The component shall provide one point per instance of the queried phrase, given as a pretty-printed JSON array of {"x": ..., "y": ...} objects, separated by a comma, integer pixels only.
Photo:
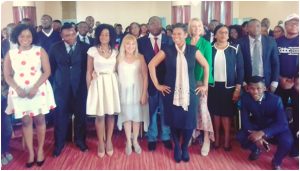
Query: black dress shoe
[
  {"x": 40, "y": 163},
  {"x": 29, "y": 165},
  {"x": 168, "y": 144},
  {"x": 177, "y": 154},
  {"x": 82, "y": 147},
  {"x": 227, "y": 148},
  {"x": 185, "y": 155},
  {"x": 276, "y": 167},
  {"x": 254, "y": 155},
  {"x": 215, "y": 146},
  {"x": 152, "y": 146},
  {"x": 56, "y": 152}
]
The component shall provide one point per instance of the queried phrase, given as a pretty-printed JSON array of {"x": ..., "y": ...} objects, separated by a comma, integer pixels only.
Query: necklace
[{"x": 105, "y": 52}]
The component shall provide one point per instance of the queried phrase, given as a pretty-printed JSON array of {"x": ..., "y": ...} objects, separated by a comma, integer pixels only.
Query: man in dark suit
[
  {"x": 260, "y": 55},
  {"x": 209, "y": 34},
  {"x": 83, "y": 29},
  {"x": 266, "y": 23},
  {"x": 148, "y": 46},
  {"x": 263, "y": 118},
  {"x": 68, "y": 59},
  {"x": 6, "y": 44}
]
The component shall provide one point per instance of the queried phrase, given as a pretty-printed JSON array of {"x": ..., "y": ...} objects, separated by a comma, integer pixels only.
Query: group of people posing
[{"x": 190, "y": 83}]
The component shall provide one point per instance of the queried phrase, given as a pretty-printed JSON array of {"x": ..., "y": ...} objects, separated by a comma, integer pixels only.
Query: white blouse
[{"x": 220, "y": 66}]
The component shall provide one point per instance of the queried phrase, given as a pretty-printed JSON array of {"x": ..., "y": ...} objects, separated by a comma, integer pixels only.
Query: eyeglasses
[{"x": 292, "y": 23}]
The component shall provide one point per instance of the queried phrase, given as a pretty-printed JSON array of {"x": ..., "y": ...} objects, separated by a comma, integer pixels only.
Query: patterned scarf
[{"x": 182, "y": 87}]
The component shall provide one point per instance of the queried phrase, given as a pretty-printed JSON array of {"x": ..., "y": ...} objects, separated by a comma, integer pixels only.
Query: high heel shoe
[
  {"x": 109, "y": 152},
  {"x": 128, "y": 149},
  {"x": 100, "y": 154},
  {"x": 40, "y": 163},
  {"x": 228, "y": 148},
  {"x": 30, "y": 164},
  {"x": 137, "y": 148}
]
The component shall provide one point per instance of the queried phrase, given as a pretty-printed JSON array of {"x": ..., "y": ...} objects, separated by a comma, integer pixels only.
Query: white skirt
[{"x": 103, "y": 95}]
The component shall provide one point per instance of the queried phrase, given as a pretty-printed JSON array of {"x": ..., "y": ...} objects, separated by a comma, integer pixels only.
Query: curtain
[
  {"x": 219, "y": 10},
  {"x": 181, "y": 14},
  {"x": 20, "y": 13}
]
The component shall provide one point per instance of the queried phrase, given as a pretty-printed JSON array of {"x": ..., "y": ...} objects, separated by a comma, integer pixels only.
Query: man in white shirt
[
  {"x": 260, "y": 55},
  {"x": 83, "y": 29}
]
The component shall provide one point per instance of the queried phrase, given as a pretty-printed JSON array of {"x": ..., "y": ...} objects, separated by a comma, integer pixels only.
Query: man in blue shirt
[
  {"x": 263, "y": 118},
  {"x": 288, "y": 47}
]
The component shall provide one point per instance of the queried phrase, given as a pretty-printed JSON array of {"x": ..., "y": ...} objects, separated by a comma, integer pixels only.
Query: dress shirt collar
[
  {"x": 151, "y": 36},
  {"x": 252, "y": 39}
]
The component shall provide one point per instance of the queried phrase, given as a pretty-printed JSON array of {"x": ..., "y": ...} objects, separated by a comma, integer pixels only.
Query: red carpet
[{"x": 161, "y": 159}]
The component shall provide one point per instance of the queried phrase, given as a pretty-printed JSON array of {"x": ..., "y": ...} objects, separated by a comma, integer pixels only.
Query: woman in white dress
[
  {"x": 133, "y": 84},
  {"x": 30, "y": 97},
  {"x": 103, "y": 95}
]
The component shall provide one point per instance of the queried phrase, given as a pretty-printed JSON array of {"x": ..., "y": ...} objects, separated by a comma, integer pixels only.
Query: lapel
[
  {"x": 263, "y": 45},
  {"x": 77, "y": 51},
  {"x": 63, "y": 56},
  {"x": 248, "y": 54},
  {"x": 149, "y": 45},
  {"x": 63, "y": 50},
  {"x": 164, "y": 40}
]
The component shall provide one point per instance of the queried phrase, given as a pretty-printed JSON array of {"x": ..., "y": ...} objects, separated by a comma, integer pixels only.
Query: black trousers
[
  {"x": 65, "y": 109},
  {"x": 284, "y": 142},
  {"x": 294, "y": 103}
]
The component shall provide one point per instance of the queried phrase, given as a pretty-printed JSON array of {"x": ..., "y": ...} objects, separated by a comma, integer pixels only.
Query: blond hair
[
  {"x": 190, "y": 27},
  {"x": 126, "y": 39}
]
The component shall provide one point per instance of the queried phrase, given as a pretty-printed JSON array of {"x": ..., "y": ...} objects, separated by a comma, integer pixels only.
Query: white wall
[
  {"x": 123, "y": 12},
  {"x": 274, "y": 10},
  {"x": 53, "y": 8},
  {"x": 6, "y": 13}
]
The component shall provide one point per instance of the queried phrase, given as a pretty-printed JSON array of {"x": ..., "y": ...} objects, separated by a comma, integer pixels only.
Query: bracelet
[{"x": 237, "y": 89}]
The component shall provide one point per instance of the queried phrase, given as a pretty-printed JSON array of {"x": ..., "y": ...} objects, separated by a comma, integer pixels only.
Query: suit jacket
[
  {"x": 5, "y": 46},
  {"x": 90, "y": 39},
  {"x": 146, "y": 49},
  {"x": 268, "y": 115},
  {"x": 68, "y": 73},
  {"x": 269, "y": 57}
]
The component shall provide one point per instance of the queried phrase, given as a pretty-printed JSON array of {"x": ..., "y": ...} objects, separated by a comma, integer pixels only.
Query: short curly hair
[
  {"x": 112, "y": 34},
  {"x": 18, "y": 30}
]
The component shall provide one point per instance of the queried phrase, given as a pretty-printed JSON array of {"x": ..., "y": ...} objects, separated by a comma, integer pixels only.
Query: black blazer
[
  {"x": 146, "y": 49},
  {"x": 68, "y": 75},
  {"x": 90, "y": 39},
  {"x": 270, "y": 58}
]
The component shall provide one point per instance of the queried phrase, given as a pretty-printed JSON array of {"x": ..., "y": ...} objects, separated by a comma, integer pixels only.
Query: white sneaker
[
  {"x": 205, "y": 149},
  {"x": 9, "y": 157},
  {"x": 4, "y": 160}
]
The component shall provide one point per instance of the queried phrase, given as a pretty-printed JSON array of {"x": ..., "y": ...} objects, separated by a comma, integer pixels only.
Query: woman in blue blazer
[{"x": 228, "y": 73}]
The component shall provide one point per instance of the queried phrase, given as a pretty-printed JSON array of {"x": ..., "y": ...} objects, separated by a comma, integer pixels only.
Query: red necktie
[{"x": 156, "y": 48}]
